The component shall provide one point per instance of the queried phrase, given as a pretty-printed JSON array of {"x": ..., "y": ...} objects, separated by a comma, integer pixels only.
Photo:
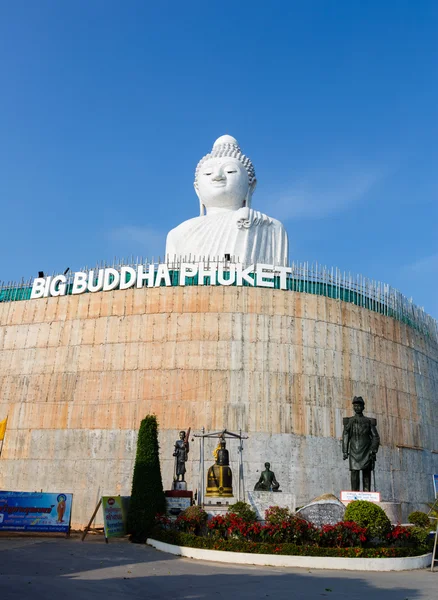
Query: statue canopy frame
[{"x": 221, "y": 434}]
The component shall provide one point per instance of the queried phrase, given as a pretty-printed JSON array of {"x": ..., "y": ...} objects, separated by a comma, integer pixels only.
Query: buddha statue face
[
  {"x": 225, "y": 178},
  {"x": 223, "y": 183}
]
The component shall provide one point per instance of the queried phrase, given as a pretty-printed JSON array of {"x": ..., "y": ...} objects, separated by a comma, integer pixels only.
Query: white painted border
[{"x": 305, "y": 562}]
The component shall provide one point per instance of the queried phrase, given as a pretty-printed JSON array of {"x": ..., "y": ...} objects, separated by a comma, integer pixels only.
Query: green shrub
[
  {"x": 276, "y": 515},
  {"x": 147, "y": 496},
  {"x": 419, "y": 518},
  {"x": 192, "y": 519},
  {"x": 369, "y": 515},
  {"x": 421, "y": 538},
  {"x": 244, "y": 511}
]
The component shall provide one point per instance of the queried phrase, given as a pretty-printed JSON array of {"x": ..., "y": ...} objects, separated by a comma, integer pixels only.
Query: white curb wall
[{"x": 305, "y": 562}]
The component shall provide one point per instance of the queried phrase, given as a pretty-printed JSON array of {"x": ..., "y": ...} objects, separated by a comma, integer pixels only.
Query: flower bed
[
  {"x": 178, "y": 538},
  {"x": 285, "y": 533}
]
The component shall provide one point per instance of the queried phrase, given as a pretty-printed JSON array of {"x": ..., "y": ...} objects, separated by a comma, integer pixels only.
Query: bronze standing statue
[
  {"x": 267, "y": 481},
  {"x": 181, "y": 454},
  {"x": 360, "y": 442}
]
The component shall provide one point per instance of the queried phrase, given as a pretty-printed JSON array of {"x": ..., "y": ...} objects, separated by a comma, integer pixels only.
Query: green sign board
[{"x": 115, "y": 513}]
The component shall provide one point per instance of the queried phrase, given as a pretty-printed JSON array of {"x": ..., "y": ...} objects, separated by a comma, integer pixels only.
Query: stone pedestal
[
  {"x": 177, "y": 501},
  {"x": 261, "y": 501},
  {"x": 393, "y": 511},
  {"x": 325, "y": 510},
  {"x": 218, "y": 505},
  {"x": 219, "y": 501},
  {"x": 179, "y": 485}
]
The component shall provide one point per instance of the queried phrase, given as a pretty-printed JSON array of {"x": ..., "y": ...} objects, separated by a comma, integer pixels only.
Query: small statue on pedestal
[
  {"x": 181, "y": 454},
  {"x": 267, "y": 481},
  {"x": 219, "y": 477},
  {"x": 360, "y": 442}
]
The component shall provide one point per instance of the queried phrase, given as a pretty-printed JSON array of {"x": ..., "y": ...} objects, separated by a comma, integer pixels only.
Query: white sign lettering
[{"x": 259, "y": 275}]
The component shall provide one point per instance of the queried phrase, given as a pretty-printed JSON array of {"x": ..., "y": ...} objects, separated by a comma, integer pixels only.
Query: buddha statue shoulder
[{"x": 227, "y": 225}]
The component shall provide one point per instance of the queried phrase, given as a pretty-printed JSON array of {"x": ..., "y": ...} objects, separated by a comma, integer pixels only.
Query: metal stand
[
  {"x": 224, "y": 433},
  {"x": 434, "y": 560},
  {"x": 241, "y": 479},
  {"x": 433, "y": 507},
  {"x": 87, "y": 528}
]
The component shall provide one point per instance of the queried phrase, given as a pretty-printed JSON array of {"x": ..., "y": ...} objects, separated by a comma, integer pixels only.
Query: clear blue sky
[{"x": 106, "y": 107}]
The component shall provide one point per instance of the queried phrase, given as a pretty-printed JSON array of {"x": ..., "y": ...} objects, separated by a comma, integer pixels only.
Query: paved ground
[{"x": 67, "y": 569}]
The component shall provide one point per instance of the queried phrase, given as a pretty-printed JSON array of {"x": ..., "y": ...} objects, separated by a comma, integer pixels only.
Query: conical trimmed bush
[{"x": 147, "y": 496}]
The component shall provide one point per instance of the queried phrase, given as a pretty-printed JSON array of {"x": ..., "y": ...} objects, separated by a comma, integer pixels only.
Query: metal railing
[{"x": 304, "y": 277}]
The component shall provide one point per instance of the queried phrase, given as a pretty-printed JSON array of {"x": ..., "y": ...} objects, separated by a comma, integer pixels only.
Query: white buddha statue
[{"x": 227, "y": 226}]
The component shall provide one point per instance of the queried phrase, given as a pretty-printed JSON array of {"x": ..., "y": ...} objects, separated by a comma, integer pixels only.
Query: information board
[
  {"x": 33, "y": 511},
  {"x": 115, "y": 512},
  {"x": 349, "y": 496},
  {"x": 176, "y": 505},
  {"x": 435, "y": 485}
]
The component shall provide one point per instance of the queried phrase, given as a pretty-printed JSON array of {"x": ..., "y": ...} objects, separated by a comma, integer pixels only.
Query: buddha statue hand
[{"x": 246, "y": 217}]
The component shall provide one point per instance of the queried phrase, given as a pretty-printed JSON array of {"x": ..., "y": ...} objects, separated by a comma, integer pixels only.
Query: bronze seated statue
[{"x": 267, "y": 481}]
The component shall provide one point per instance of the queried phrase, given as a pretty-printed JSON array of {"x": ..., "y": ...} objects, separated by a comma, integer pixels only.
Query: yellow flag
[{"x": 3, "y": 428}]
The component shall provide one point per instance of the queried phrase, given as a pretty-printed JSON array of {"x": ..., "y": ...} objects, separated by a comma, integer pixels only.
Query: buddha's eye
[
  {"x": 232, "y": 171},
  {"x": 208, "y": 173}
]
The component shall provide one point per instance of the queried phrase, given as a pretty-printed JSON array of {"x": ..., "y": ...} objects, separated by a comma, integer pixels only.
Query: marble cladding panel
[{"x": 78, "y": 373}]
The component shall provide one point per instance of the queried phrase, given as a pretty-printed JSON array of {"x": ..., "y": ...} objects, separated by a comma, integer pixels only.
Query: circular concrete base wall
[{"x": 78, "y": 373}]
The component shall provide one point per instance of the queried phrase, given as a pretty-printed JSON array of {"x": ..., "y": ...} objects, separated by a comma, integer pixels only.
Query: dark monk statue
[
  {"x": 360, "y": 442},
  {"x": 267, "y": 481},
  {"x": 180, "y": 453}
]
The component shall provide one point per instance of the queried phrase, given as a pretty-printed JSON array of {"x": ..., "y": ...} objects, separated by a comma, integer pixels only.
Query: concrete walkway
[{"x": 68, "y": 569}]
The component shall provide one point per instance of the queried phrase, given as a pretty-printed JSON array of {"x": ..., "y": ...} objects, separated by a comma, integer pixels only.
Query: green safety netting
[{"x": 337, "y": 292}]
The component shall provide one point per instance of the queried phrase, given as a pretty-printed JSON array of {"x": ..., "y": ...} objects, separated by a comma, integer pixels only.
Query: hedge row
[{"x": 190, "y": 540}]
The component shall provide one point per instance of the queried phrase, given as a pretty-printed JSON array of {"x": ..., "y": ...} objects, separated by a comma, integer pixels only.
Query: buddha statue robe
[{"x": 246, "y": 235}]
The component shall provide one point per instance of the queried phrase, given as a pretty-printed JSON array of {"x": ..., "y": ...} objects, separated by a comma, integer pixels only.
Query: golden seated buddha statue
[{"x": 219, "y": 477}]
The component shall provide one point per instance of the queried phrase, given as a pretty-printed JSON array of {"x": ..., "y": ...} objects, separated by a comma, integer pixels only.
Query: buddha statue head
[{"x": 224, "y": 178}]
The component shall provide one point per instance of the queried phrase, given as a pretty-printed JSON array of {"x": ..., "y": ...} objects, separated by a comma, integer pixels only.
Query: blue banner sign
[
  {"x": 33, "y": 511},
  {"x": 435, "y": 485}
]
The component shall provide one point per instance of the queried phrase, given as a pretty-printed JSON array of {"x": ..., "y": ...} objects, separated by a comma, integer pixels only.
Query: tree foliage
[{"x": 147, "y": 496}]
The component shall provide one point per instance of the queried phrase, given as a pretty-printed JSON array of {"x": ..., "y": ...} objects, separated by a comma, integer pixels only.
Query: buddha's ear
[
  {"x": 202, "y": 211},
  {"x": 251, "y": 189}
]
